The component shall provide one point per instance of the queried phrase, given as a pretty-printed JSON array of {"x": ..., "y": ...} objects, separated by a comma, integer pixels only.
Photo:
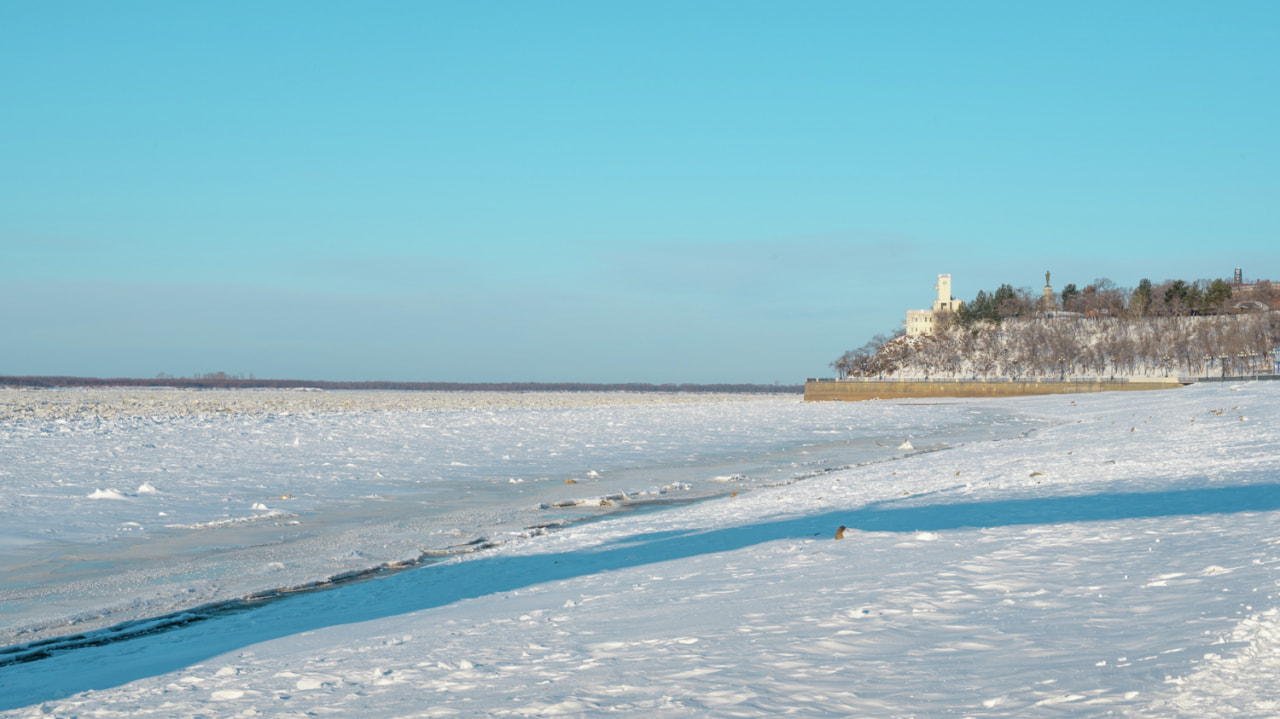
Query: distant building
[
  {"x": 1275, "y": 360},
  {"x": 1240, "y": 288},
  {"x": 924, "y": 322}
]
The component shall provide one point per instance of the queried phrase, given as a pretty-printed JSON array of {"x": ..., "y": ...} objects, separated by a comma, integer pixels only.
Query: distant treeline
[
  {"x": 1103, "y": 298},
  {"x": 219, "y": 380}
]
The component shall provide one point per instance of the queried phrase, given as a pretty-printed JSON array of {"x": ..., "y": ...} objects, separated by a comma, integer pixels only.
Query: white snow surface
[
  {"x": 1120, "y": 559},
  {"x": 122, "y": 505}
]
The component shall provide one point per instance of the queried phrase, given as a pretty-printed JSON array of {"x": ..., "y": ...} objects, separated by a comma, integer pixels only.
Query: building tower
[
  {"x": 944, "y": 293},
  {"x": 924, "y": 322}
]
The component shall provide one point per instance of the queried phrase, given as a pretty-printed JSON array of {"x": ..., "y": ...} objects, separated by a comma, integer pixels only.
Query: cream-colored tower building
[{"x": 924, "y": 322}]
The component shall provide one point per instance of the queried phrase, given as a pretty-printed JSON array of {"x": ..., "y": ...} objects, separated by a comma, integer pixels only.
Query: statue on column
[{"x": 1046, "y": 278}]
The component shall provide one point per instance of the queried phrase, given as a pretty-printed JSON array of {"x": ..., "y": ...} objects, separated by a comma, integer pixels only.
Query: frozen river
[
  {"x": 1094, "y": 555},
  {"x": 127, "y": 504}
]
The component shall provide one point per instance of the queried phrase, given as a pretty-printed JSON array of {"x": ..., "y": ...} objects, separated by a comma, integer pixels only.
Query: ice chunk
[{"x": 106, "y": 494}]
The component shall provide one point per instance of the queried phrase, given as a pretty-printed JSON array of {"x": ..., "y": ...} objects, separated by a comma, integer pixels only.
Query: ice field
[
  {"x": 122, "y": 505},
  {"x": 543, "y": 555}
]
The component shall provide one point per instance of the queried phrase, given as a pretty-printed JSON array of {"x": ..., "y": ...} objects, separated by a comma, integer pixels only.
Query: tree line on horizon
[
  {"x": 1103, "y": 298},
  {"x": 1101, "y": 330}
]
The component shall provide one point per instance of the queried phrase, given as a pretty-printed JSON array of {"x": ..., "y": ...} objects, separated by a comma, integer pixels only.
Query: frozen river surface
[
  {"x": 126, "y": 504},
  {"x": 1095, "y": 555}
]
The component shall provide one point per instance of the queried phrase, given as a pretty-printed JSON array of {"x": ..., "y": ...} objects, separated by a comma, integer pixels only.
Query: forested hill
[
  {"x": 1059, "y": 347},
  {"x": 1174, "y": 328},
  {"x": 220, "y": 380}
]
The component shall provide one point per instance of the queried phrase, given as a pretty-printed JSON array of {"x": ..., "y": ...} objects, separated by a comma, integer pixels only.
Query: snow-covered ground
[
  {"x": 1119, "y": 559},
  {"x": 125, "y": 504}
]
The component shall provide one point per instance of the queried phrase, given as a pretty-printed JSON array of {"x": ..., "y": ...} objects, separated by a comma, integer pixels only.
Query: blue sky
[{"x": 602, "y": 192}]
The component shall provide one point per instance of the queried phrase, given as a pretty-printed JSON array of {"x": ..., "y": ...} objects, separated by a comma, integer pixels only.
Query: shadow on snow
[{"x": 112, "y": 663}]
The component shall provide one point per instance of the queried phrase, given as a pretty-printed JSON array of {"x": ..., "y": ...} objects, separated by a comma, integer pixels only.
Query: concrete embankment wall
[{"x": 857, "y": 390}]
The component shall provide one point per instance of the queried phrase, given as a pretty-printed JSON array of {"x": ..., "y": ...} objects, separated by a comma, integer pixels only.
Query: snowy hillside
[{"x": 1077, "y": 346}]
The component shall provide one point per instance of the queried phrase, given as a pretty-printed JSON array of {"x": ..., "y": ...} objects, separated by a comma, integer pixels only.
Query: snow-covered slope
[{"x": 1081, "y": 347}]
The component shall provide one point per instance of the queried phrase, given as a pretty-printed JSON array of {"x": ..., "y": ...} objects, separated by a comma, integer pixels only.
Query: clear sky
[{"x": 602, "y": 191}]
